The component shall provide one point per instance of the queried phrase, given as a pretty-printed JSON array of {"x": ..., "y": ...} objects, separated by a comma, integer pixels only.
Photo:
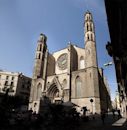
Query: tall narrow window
[
  {"x": 82, "y": 62},
  {"x": 7, "y": 77},
  {"x": 88, "y": 37},
  {"x": 90, "y": 27},
  {"x": 6, "y": 83},
  {"x": 87, "y": 27},
  {"x": 12, "y": 78},
  {"x": 39, "y": 87},
  {"x": 12, "y": 83},
  {"x": 40, "y": 47},
  {"x": 78, "y": 90},
  {"x": 39, "y": 56},
  {"x": 91, "y": 37}
]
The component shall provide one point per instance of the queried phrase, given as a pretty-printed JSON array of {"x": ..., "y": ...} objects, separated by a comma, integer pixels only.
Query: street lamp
[
  {"x": 107, "y": 64},
  {"x": 91, "y": 100}
]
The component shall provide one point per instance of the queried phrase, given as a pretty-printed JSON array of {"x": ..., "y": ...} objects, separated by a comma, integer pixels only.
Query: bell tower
[
  {"x": 39, "y": 74},
  {"x": 90, "y": 42},
  {"x": 91, "y": 62},
  {"x": 40, "y": 56}
]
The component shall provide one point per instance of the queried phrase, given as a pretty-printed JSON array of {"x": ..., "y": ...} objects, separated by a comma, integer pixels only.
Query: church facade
[{"x": 70, "y": 74}]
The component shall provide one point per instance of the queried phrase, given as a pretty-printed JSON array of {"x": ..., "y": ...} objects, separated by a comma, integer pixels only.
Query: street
[{"x": 110, "y": 123}]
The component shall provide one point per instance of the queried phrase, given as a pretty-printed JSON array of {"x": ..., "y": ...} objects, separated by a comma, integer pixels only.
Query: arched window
[
  {"x": 78, "y": 91},
  {"x": 40, "y": 47},
  {"x": 88, "y": 37},
  {"x": 91, "y": 27},
  {"x": 39, "y": 56},
  {"x": 82, "y": 62},
  {"x": 91, "y": 37},
  {"x": 87, "y": 27},
  {"x": 39, "y": 91},
  {"x": 64, "y": 83}
]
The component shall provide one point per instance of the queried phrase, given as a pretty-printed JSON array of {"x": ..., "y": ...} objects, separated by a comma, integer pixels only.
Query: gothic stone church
[{"x": 70, "y": 74}]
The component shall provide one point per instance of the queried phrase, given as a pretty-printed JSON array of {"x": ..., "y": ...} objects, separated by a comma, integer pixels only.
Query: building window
[
  {"x": 6, "y": 83},
  {"x": 78, "y": 90},
  {"x": 88, "y": 37},
  {"x": 12, "y": 78},
  {"x": 39, "y": 56},
  {"x": 90, "y": 27},
  {"x": 87, "y": 27},
  {"x": 12, "y": 83},
  {"x": 82, "y": 62},
  {"x": 40, "y": 47},
  {"x": 91, "y": 37},
  {"x": 39, "y": 91},
  {"x": 7, "y": 77}
]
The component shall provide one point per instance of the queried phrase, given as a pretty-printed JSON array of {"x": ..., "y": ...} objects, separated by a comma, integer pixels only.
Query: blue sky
[{"x": 21, "y": 22}]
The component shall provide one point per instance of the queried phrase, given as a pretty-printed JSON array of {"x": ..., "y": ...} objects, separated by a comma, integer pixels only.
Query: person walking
[{"x": 103, "y": 117}]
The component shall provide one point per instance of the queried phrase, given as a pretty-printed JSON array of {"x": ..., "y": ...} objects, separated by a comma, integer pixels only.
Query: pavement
[
  {"x": 121, "y": 122},
  {"x": 110, "y": 123}
]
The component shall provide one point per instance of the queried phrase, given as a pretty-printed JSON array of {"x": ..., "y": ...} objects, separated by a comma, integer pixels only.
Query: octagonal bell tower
[{"x": 39, "y": 73}]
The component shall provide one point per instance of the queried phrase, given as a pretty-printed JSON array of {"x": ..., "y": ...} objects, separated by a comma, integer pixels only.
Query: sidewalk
[
  {"x": 111, "y": 123},
  {"x": 120, "y": 122}
]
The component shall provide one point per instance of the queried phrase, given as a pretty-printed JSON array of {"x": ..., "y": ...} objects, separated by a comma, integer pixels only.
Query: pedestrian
[
  {"x": 84, "y": 110},
  {"x": 113, "y": 112},
  {"x": 119, "y": 115},
  {"x": 103, "y": 116}
]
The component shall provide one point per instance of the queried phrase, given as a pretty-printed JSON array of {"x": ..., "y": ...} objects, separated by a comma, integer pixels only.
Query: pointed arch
[
  {"x": 39, "y": 91},
  {"x": 78, "y": 90},
  {"x": 82, "y": 63},
  {"x": 53, "y": 92}
]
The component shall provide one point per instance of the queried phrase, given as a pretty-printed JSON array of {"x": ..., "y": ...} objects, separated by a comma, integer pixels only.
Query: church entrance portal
[{"x": 54, "y": 94}]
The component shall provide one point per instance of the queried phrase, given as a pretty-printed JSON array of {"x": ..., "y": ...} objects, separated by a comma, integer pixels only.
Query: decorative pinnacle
[
  {"x": 42, "y": 38},
  {"x": 88, "y": 16}
]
